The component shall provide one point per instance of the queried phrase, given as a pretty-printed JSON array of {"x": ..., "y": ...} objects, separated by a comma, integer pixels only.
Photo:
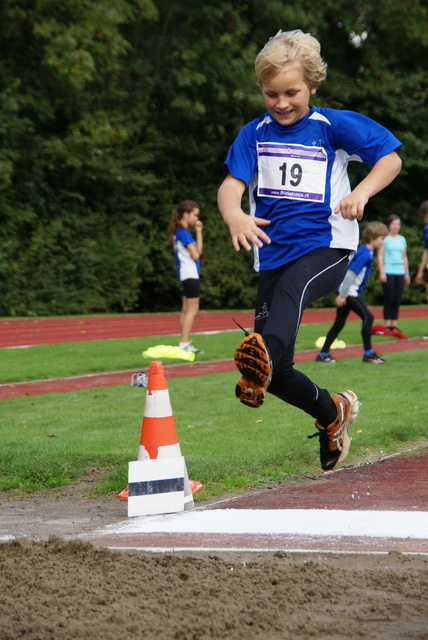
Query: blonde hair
[
  {"x": 374, "y": 230},
  {"x": 288, "y": 47}
]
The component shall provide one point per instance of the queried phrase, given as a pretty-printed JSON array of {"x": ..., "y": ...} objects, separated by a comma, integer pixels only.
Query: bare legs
[{"x": 189, "y": 309}]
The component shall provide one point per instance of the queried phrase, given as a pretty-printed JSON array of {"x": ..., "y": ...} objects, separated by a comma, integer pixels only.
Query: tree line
[{"x": 113, "y": 111}]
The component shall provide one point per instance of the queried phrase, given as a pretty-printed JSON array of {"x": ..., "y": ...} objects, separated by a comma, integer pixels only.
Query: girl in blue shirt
[
  {"x": 303, "y": 223},
  {"x": 187, "y": 252}
]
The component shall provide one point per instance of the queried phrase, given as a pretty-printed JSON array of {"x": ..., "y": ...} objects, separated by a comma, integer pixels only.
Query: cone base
[{"x": 195, "y": 486}]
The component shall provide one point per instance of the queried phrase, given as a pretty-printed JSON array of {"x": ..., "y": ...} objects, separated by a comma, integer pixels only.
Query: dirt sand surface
[
  {"x": 64, "y": 511},
  {"x": 56, "y": 589},
  {"x": 54, "y": 585}
]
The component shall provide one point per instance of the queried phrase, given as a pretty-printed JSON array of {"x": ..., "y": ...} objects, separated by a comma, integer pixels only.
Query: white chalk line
[{"x": 304, "y": 522}]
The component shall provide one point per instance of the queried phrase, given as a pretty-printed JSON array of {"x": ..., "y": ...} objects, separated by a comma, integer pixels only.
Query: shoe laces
[
  {"x": 333, "y": 432},
  {"x": 247, "y": 333},
  {"x": 328, "y": 440}
]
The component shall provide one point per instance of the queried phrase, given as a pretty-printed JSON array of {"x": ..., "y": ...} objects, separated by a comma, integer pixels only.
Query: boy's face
[
  {"x": 378, "y": 242},
  {"x": 286, "y": 95}
]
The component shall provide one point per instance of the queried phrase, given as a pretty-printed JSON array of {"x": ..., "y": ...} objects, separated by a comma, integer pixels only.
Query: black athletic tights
[
  {"x": 393, "y": 291},
  {"x": 359, "y": 307},
  {"x": 282, "y": 296}
]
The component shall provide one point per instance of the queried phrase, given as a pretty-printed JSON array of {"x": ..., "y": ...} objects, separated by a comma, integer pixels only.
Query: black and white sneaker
[
  {"x": 374, "y": 358},
  {"x": 327, "y": 358}
]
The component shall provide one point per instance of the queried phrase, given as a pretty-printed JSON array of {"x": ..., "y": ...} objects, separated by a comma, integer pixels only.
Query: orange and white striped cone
[
  {"x": 159, "y": 439},
  {"x": 158, "y": 433}
]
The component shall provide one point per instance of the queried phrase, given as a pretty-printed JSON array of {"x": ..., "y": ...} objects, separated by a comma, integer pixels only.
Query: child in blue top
[
  {"x": 349, "y": 295},
  {"x": 303, "y": 223},
  {"x": 187, "y": 252}
]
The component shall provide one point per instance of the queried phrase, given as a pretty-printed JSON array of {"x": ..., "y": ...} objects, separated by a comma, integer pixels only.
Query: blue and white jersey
[
  {"x": 186, "y": 266},
  {"x": 297, "y": 175},
  {"x": 360, "y": 266}
]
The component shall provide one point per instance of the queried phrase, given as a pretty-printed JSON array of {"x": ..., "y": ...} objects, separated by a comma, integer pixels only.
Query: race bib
[{"x": 291, "y": 171}]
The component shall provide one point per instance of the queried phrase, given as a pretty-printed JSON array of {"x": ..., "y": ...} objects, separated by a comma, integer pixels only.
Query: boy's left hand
[
  {"x": 382, "y": 174},
  {"x": 352, "y": 206}
]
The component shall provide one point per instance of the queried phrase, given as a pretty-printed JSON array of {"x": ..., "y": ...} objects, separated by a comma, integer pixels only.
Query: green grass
[
  {"x": 79, "y": 358},
  {"x": 50, "y": 440}
]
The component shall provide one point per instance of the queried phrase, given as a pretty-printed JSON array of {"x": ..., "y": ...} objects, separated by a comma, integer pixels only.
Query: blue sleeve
[
  {"x": 361, "y": 136},
  {"x": 184, "y": 236},
  {"x": 360, "y": 260},
  {"x": 241, "y": 161}
]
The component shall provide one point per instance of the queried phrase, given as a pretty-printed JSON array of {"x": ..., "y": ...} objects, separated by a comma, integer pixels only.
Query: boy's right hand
[{"x": 245, "y": 229}]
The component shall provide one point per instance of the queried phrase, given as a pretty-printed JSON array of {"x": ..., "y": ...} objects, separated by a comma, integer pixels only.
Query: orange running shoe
[
  {"x": 253, "y": 362},
  {"x": 335, "y": 440}
]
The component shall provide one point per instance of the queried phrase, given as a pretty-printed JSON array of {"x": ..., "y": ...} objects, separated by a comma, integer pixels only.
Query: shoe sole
[
  {"x": 253, "y": 363},
  {"x": 354, "y": 409}
]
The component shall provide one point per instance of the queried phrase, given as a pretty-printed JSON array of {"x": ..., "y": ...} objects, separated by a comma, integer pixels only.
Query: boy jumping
[{"x": 303, "y": 223}]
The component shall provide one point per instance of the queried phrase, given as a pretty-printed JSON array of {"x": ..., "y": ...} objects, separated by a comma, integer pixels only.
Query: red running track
[
  {"x": 115, "y": 327},
  {"x": 20, "y": 333},
  {"x": 194, "y": 369}
]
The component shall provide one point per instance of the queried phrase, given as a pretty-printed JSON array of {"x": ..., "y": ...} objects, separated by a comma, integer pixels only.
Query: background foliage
[{"x": 113, "y": 111}]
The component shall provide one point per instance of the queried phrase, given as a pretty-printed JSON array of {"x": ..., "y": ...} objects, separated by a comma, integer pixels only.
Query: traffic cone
[{"x": 155, "y": 486}]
